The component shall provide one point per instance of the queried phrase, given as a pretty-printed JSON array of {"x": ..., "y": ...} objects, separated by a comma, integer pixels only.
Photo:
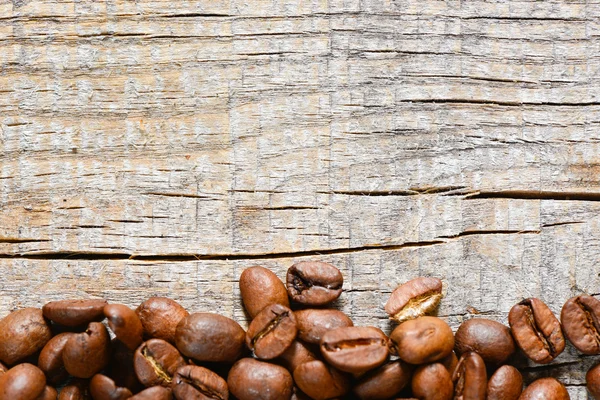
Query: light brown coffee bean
[
  {"x": 248, "y": 379},
  {"x": 580, "y": 319},
  {"x": 505, "y": 384},
  {"x": 414, "y": 299},
  {"x": 313, "y": 323},
  {"x": 22, "y": 382},
  {"x": 159, "y": 317},
  {"x": 22, "y": 333},
  {"x": 470, "y": 377},
  {"x": 298, "y": 353},
  {"x": 75, "y": 312},
  {"x": 260, "y": 287},
  {"x": 156, "y": 362},
  {"x": 490, "y": 339},
  {"x": 422, "y": 340},
  {"x": 320, "y": 381},
  {"x": 50, "y": 360},
  {"x": 192, "y": 382},
  {"x": 432, "y": 382},
  {"x": 384, "y": 382},
  {"x": 546, "y": 389},
  {"x": 49, "y": 393},
  {"x": 355, "y": 349},
  {"x": 271, "y": 332},
  {"x": 153, "y": 393},
  {"x": 86, "y": 353},
  {"x": 592, "y": 381},
  {"x": 125, "y": 324},
  {"x": 104, "y": 388},
  {"x": 314, "y": 283}
]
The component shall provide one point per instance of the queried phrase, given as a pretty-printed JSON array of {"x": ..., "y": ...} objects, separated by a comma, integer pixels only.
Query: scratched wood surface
[{"x": 161, "y": 147}]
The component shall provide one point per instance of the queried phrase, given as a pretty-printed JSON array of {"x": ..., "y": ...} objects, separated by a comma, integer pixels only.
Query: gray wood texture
[{"x": 161, "y": 147}]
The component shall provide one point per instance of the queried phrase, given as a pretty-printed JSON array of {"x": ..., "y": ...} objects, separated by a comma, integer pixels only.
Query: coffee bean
[
  {"x": 592, "y": 381},
  {"x": 432, "y": 382},
  {"x": 490, "y": 339},
  {"x": 156, "y": 362},
  {"x": 470, "y": 377},
  {"x": 50, "y": 360},
  {"x": 545, "y": 388},
  {"x": 104, "y": 388},
  {"x": 414, "y": 299},
  {"x": 22, "y": 333},
  {"x": 422, "y": 340},
  {"x": 536, "y": 330},
  {"x": 77, "y": 389},
  {"x": 49, "y": 393},
  {"x": 192, "y": 382},
  {"x": 384, "y": 382},
  {"x": 153, "y": 393},
  {"x": 450, "y": 362},
  {"x": 120, "y": 368},
  {"x": 505, "y": 384},
  {"x": 314, "y": 283},
  {"x": 355, "y": 349},
  {"x": 159, "y": 317},
  {"x": 210, "y": 337},
  {"x": 22, "y": 382},
  {"x": 314, "y": 323},
  {"x": 125, "y": 324},
  {"x": 298, "y": 353},
  {"x": 580, "y": 321},
  {"x": 86, "y": 353},
  {"x": 320, "y": 381},
  {"x": 75, "y": 312},
  {"x": 271, "y": 332},
  {"x": 250, "y": 379},
  {"x": 260, "y": 287}
]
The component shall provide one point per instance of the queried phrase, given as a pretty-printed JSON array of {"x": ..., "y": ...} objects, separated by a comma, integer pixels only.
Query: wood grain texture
[{"x": 160, "y": 147}]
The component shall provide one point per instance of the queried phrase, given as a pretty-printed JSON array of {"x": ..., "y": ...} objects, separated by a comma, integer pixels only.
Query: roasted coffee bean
[
  {"x": 298, "y": 353},
  {"x": 49, "y": 393},
  {"x": 384, "y": 382},
  {"x": 250, "y": 379},
  {"x": 271, "y": 332},
  {"x": 126, "y": 325},
  {"x": 75, "y": 312},
  {"x": 450, "y": 362},
  {"x": 120, "y": 368},
  {"x": 319, "y": 381},
  {"x": 432, "y": 382},
  {"x": 159, "y": 317},
  {"x": 314, "y": 323},
  {"x": 355, "y": 349},
  {"x": 314, "y": 283},
  {"x": 192, "y": 382},
  {"x": 86, "y": 353},
  {"x": 536, "y": 330},
  {"x": 210, "y": 337},
  {"x": 414, "y": 299},
  {"x": 260, "y": 287},
  {"x": 488, "y": 338},
  {"x": 422, "y": 340},
  {"x": 22, "y": 333},
  {"x": 77, "y": 389},
  {"x": 505, "y": 384},
  {"x": 153, "y": 393},
  {"x": 104, "y": 388},
  {"x": 22, "y": 382},
  {"x": 546, "y": 389},
  {"x": 50, "y": 360},
  {"x": 470, "y": 377},
  {"x": 580, "y": 318},
  {"x": 592, "y": 381},
  {"x": 156, "y": 362}
]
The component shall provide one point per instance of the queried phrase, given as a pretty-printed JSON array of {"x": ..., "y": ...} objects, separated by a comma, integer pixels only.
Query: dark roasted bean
[
  {"x": 156, "y": 362},
  {"x": 77, "y": 389},
  {"x": 260, "y": 287},
  {"x": 22, "y": 333},
  {"x": 355, "y": 349},
  {"x": 580, "y": 318},
  {"x": 314, "y": 283},
  {"x": 49, "y": 393},
  {"x": 592, "y": 381},
  {"x": 470, "y": 377},
  {"x": 104, "y": 388},
  {"x": 422, "y": 340},
  {"x": 120, "y": 368},
  {"x": 126, "y": 325},
  {"x": 198, "y": 383},
  {"x": 432, "y": 382},
  {"x": 22, "y": 382},
  {"x": 75, "y": 312},
  {"x": 505, "y": 384},
  {"x": 320, "y": 381},
  {"x": 159, "y": 317},
  {"x": 153, "y": 393},
  {"x": 488, "y": 338},
  {"x": 250, "y": 379},
  {"x": 314, "y": 323},
  {"x": 384, "y": 382},
  {"x": 86, "y": 353},
  {"x": 450, "y": 362},
  {"x": 546, "y": 389},
  {"x": 536, "y": 330},
  {"x": 271, "y": 332},
  {"x": 414, "y": 299},
  {"x": 50, "y": 360}
]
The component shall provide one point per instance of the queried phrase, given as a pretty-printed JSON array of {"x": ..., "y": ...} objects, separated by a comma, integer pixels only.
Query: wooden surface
[{"x": 161, "y": 147}]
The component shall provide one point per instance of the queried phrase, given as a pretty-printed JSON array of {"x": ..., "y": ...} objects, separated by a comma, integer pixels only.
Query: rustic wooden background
[{"x": 157, "y": 147}]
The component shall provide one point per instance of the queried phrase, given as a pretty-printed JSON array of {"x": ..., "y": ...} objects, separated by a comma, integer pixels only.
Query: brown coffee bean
[
  {"x": 271, "y": 332},
  {"x": 470, "y": 377},
  {"x": 536, "y": 330},
  {"x": 250, "y": 379},
  {"x": 432, "y": 382},
  {"x": 156, "y": 362},
  {"x": 505, "y": 384},
  {"x": 153, "y": 393},
  {"x": 192, "y": 382},
  {"x": 77, "y": 389},
  {"x": 260, "y": 287},
  {"x": 104, "y": 388},
  {"x": 320, "y": 381},
  {"x": 384, "y": 382},
  {"x": 75, "y": 312},
  {"x": 355, "y": 349},
  {"x": 314, "y": 283},
  {"x": 210, "y": 337},
  {"x": 120, "y": 368},
  {"x": 314, "y": 323},
  {"x": 126, "y": 325},
  {"x": 592, "y": 381},
  {"x": 422, "y": 340},
  {"x": 159, "y": 317},
  {"x": 488, "y": 338},
  {"x": 50, "y": 360},
  {"x": 414, "y": 299},
  {"x": 86, "y": 353},
  {"x": 22, "y": 382},
  {"x": 450, "y": 362},
  {"x": 580, "y": 322},
  {"x": 546, "y": 389},
  {"x": 298, "y": 353},
  {"x": 22, "y": 333},
  {"x": 49, "y": 393}
]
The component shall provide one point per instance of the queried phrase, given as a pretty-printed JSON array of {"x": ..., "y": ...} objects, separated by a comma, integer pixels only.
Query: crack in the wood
[
  {"x": 410, "y": 192},
  {"x": 196, "y": 15},
  {"x": 190, "y": 195},
  {"x": 22, "y": 240},
  {"x": 562, "y": 223},
  {"x": 534, "y": 195},
  {"x": 502, "y": 103},
  {"x": 491, "y": 232}
]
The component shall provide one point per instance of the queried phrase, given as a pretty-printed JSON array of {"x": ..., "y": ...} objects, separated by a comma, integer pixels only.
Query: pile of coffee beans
[{"x": 294, "y": 347}]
